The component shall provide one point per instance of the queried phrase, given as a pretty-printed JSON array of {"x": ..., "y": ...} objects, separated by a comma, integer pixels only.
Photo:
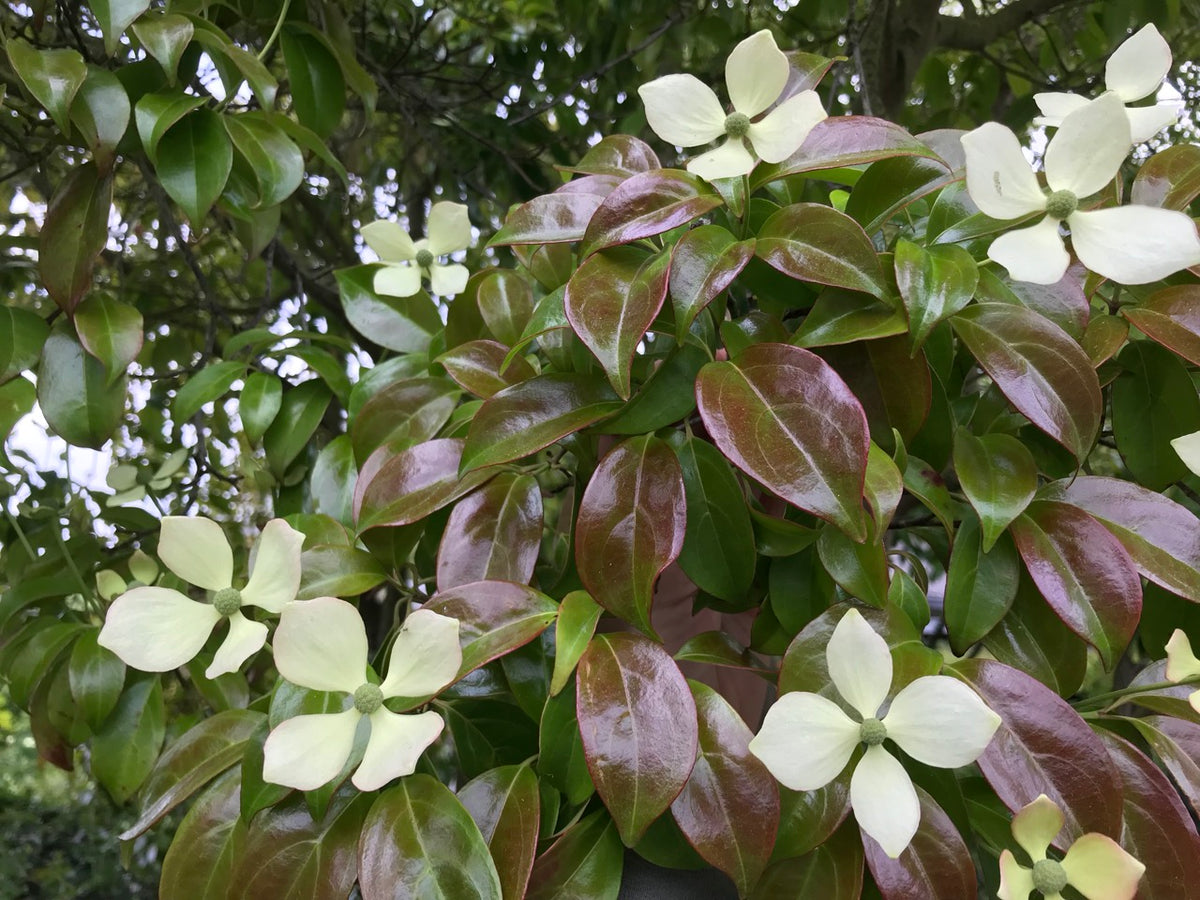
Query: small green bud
[
  {"x": 227, "y": 601},
  {"x": 871, "y": 732},
  {"x": 736, "y": 125},
  {"x": 368, "y": 698},
  {"x": 1061, "y": 204},
  {"x": 1049, "y": 877},
  {"x": 424, "y": 258}
]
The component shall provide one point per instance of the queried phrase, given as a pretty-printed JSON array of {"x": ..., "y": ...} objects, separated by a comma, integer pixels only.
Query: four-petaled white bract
[
  {"x": 1095, "y": 865},
  {"x": 321, "y": 644},
  {"x": 1135, "y": 70},
  {"x": 400, "y": 276},
  {"x": 1182, "y": 663},
  {"x": 157, "y": 629},
  {"x": 1188, "y": 448},
  {"x": 1129, "y": 244},
  {"x": 683, "y": 110},
  {"x": 806, "y": 740}
]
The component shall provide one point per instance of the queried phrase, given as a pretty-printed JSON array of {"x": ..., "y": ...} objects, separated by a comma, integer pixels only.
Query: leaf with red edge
[
  {"x": 1161, "y": 536},
  {"x": 706, "y": 261},
  {"x": 494, "y": 617},
  {"x": 729, "y": 808},
  {"x": 1040, "y": 369},
  {"x": 831, "y": 871},
  {"x": 549, "y": 219},
  {"x": 408, "y": 411},
  {"x": 400, "y": 488},
  {"x": 1170, "y": 179},
  {"x": 1157, "y": 830},
  {"x": 813, "y": 242},
  {"x": 1044, "y": 747},
  {"x": 935, "y": 866},
  {"x": 1064, "y": 303},
  {"x": 1171, "y": 317},
  {"x": 617, "y": 154},
  {"x": 504, "y": 804},
  {"x": 1084, "y": 573},
  {"x": 526, "y": 417},
  {"x": 505, "y": 301},
  {"x": 639, "y": 728},
  {"x": 610, "y": 302},
  {"x": 648, "y": 204},
  {"x": 1176, "y": 742},
  {"x": 631, "y": 526},
  {"x": 784, "y": 417},
  {"x": 419, "y": 841},
  {"x": 584, "y": 863},
  {"x": 478, "y": 367},
  {"x": 493, "y": 534}
]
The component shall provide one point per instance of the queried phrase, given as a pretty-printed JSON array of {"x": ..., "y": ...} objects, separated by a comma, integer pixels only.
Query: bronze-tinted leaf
[
  {"x": 638, "y": 722},
  {"x": 479, "y": 368},
  {"x": 935, "y": 866},
  {"x": 399, "y": 488},
  {"x": 813, "y": 242},
  {"x": 208, "y": 844},
  {"x": 784, "y": 417},
  {"x": 1171, "y": 317},
  {"x": 409, "y": 411},
  {"x": 631, "y": 526},
  {"x": 493, "y": 534},
  {"x": 74, "y": 233},
  {"x": 647, "y": 204},
  {"x": 504, "y": 804},
  {"x": 1170, "y": 179},
  {"x": 617, "y": 154},
  {"x": 562, "y": 216},
  {"x": 706, "y": 261}
]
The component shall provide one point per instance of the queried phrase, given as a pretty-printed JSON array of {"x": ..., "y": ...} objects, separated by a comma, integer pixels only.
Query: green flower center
[
  {"x": 424, "y": 259},
  {"x": 872, "y": 732},
  {"x": 227, "y": 601},
  {"x": 736, "y": 125},
  {"x": 1061, "y": 204},
  {"x": 1049, "y": 876},
  {"x": 368, "y": 698}
]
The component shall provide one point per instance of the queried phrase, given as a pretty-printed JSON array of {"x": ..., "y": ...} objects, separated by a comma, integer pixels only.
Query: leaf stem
[
  {"x": 283, "y": 11},
  {"x": 1101, "y": 700}
]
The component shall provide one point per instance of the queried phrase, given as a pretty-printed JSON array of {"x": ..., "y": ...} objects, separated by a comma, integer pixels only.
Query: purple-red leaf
[
  {"x": 617, "y": 154},
  {"x": 813, "y": 242},
  {"x": 400, "y": 488},
  {"x": 478, "y": 367},
  {"x": 631, "y": 526},
  {"x": 935, "y": 866},
  {"x": 639, "y": 728},
  {"x": 784, "y": 417},
  {"x": 1083, "y": 572},
  {"x": 493, "y": 534},
  {"x": 551, "y": 218},
  {"x": 504, "y": 804},
  {"x": 706, "y": 261},
  {"x": 1171, "y": 317},
  {"x": 648, "y": 204}
]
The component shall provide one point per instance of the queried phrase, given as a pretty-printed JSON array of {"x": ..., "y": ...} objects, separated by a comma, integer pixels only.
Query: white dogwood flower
[
  {"x": 321, "y": 644},
  {"x": 1182, "y": 663},
  {"x": 1135, "y": 70},
  {"x": 405, "y": 261},
  {"x": 1095, "y": 865},
  {"x": 683, "y": 110},
  {"x": 157, "y": 629},
  {"x": 807, "y": 740},
  {"x": 1128, "y": 244},
  {"x": 1188, "y": 448}
]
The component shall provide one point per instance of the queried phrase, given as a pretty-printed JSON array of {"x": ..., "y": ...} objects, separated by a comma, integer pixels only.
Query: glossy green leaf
[
  {"x": 155, "y": 114},
  {"x": 559, "y": 217},
  {"x": 194, "y": 158},
  {"x": 784, "y": 417},
  {"x": 206, "y": 386},
  {"x": 406, "y": 412},
  {"x": 832, "y": 871},
  {"x": 816, "y": 243},
  {"x": 859, "y": 569},
  {"x": 889, "y": 186},
  {"x": 999, "y": 476},
  {"x": 1084, "y": 573},
  {"x": 577, "y": 617},
  {"x": 936, "y": 865},
  {"x": 1153, "y": 401},
  {"x": 419, "y": 841},
  {"x": 207, "y": 846},
  {"x": 258, "y": 403},
  {"x": 630, "y": 527},
  {"x": 17, "y": 398},
  {"x": 647, "y": 204},
  {"x": 1171, "y": 317},
  {"x": 883, "y": 489},
  {"x": 51, "y": 76},
  {"x": 841, "y": 317},
  {"x": 561, "y": 763},
  {"x": 396, "y": 488},
  {"x": 638, "y": 723},
  {"x": 73, "y": 391},
  {"x": 478, "y": 367},
  {"x": 300, "y": 414},
  {"x": 114, "y": 16},
  {"x": 22, "y": 334},
  {"x": 705, "y": 262},
  {"x": 332, "y": 480},
  {"x": 165, "y": 37},
  {"x": 504, "y": 804},
  {"x": 96, "y": 676},
  {"x": 718, "y": 546},
  {"x": 584, "y": 863},
  {"x": 271, "y": 156},
  {"x": 74, "y": 233},
  {"x": 111, "y": 331},
  {"x": 126, "y": 747},
  {"x": 506, "y": 303},
  {"x": 808, "y": 819},
  {"x": 934, "y": 283},
  {"x": 1043, "y": 747},
  {"x": 493, "y": 534},
  {"x": 1040, "y": 369},
  {"x": 980, "y": 585},
  {"x": 666, "y": 397},
  {"x": 101, "y": 112},
  {"x": 318, "y": 87},
  {"x": 405, "y": 325},
  {"x": 729, "y": 807},
  {"x": 610, "y": 302},
  {"x": 617, "y": 154},
  {"x": 333, "y": 571},
  {"x": 523, "y": 419}
]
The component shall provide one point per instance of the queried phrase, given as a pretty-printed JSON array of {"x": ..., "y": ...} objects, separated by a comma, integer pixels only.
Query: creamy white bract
[{"x": 405, "y": 261}]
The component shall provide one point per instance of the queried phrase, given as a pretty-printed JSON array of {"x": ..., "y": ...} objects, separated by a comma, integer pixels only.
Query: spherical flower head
[
  {"x": 1129, "y": 244},
  {"x": 807, "y": 740},
  {"x": 1095, "y": 865},
  {"x": 1135, "y": 70},
  {"x": 1182, "y": 663},
  {"x": 684, "y": 111},
  {"x": 406, "y": 261},
  {"x": 158, "y": 629},
  {"x": 321, "y": 645},
  {"x": 1188, "y": 448}
]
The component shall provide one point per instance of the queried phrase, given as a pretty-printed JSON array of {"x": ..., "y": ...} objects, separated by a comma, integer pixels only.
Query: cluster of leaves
[{"x": 802, "y": 390}]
